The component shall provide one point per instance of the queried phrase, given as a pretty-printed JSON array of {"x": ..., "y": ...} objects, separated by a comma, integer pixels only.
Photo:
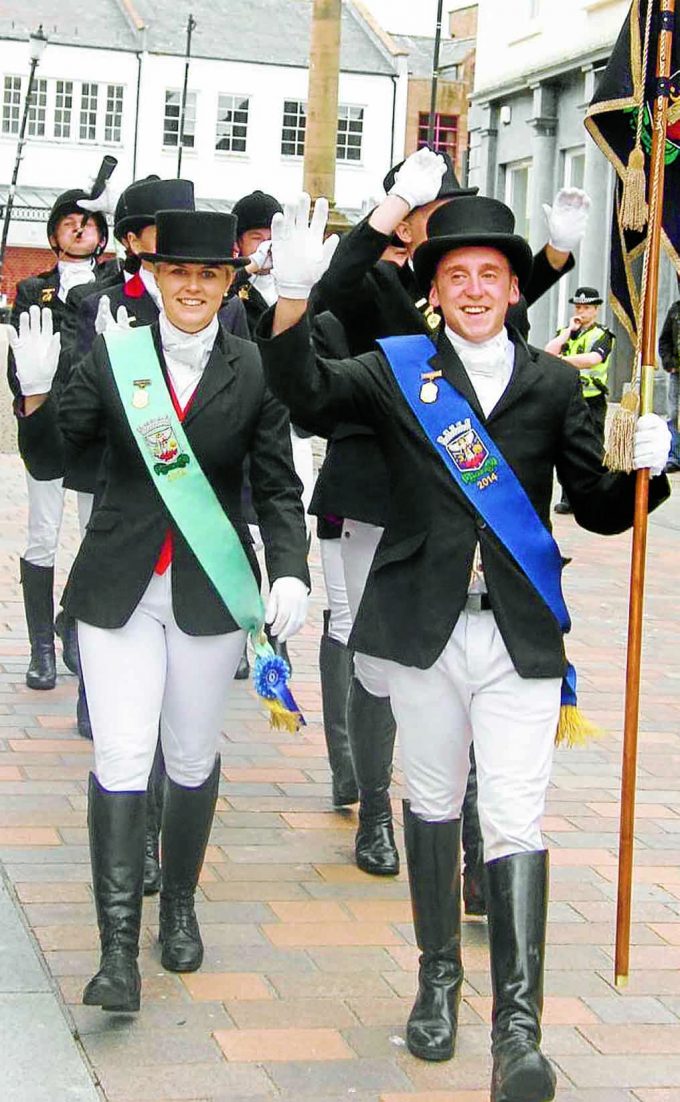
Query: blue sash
[{"x": 479, "y": 469}]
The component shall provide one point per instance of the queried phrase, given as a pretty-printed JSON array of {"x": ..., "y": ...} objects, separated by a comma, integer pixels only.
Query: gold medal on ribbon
[
  {"x": 429, "y": 391},
  {"x": 140, "y": 398}
]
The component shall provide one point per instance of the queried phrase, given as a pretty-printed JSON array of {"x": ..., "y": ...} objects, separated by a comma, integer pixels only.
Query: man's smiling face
[{"x": 474, "y": 286}]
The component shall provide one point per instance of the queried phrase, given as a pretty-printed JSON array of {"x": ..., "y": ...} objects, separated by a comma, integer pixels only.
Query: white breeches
[
  {"x": 150, "y": 673},
  {"x": 359, "y": 542},
  {"x": 336, "y": 590},
  {"x": 303, "y": 461},
  {"x": 473, "y": 693},
  {"x": 45, "y": 511}
]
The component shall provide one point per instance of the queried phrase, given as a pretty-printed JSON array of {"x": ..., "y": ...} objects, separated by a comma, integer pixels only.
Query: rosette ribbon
[{"x": 270, "y": 678}]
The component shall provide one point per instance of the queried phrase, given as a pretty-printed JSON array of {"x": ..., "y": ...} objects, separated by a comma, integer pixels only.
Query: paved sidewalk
[{"x": 310, "y": 964}]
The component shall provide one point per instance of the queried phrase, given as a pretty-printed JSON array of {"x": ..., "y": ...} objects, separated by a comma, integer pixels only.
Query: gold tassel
[
  {"x": 574, "y": 729},
  {"x": 280, "y": 718},
  {"x": 621, "y": 438},
  {"x": 634, "y": 210}
]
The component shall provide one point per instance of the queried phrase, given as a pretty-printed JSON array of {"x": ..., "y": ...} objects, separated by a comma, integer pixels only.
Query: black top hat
[
  {"x": 255, "y": 211},
  {"x": 449, "y": 187},
  {"x": 195, "y": 237},
  {"x": 472, "y": 220},
  {"x": 140, "y": 202},
  {"x": 586, "y": 296},
  {"x": 67, "y": 203}
]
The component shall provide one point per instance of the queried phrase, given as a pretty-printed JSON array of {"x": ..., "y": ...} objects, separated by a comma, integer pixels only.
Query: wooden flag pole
[{"x": 639, "y": 549}]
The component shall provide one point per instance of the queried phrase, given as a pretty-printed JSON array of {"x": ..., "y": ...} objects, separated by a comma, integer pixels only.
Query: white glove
[
  {"x": 652, "y": 444},
  {"x": 261, "y": 258},
  {"x": 286, "y": 608},
  {"x": 419, "y": 179},
  {"x": 300, "y": 255},
  {"x": 36, "y": 351},
  {"x": 567, "y": 218},
  {"x": 104, "y": 203},
  {"x": 105, "y": 321}
]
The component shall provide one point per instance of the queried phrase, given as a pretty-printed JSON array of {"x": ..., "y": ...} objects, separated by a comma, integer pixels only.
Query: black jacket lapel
[
  {"x": 447, "y": 361},
  {"x": 219, "y": 373},
  {"x": 526, "y": 373}
]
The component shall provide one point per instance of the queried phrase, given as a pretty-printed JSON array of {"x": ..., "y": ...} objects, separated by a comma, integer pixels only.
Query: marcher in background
[
  {"x": 254, "y": 287},
  {"x": 463, "y": 604},
  {"x": 78, "y": 240},
  {"x": 586, "y": 345},
  {"x": 373, "y": 299},
  {"x": 669, "y": 352},
  {"x": 160, "y": 640}
]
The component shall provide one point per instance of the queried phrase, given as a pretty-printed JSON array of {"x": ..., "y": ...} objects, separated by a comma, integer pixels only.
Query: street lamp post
[{"x": 37, "y": 41}]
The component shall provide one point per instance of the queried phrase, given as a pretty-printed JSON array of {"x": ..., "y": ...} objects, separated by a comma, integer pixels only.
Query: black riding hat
[
  {"x": 141, "y": 201},
  {"x": 195, "y": 237},
  {"x": 586, "y": 296},
  {"x": 472, "y": 220},
  {"x": 449, "y": 187},
  {"x": 67, "y": 203},
  {"x": 255, "y": 211}
]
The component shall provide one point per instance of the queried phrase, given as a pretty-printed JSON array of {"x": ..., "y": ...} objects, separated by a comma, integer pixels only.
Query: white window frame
[
  {"x": 523, "y": 227},
  {"x": 12, "y": 99},
  {"x": 299, "y": 130},
  {"x": 232, "y": 104},
  {"x": 570, "y": 178},
  {"x": 36, "y": 124},
  {"x": 89, "y": 102},
  {"x": 349, "y": 107},
  {"x": 66, "y": 110},
  {"x": 190, "y": 115},
  {"x": 114, "y": 108}
]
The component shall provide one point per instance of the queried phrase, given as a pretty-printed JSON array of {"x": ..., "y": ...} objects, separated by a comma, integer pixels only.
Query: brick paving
[{"x": 310, "y": 964}]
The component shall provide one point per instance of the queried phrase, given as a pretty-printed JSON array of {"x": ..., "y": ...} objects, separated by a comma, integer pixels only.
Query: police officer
[
  {"x": 375, "y": 299},
  {"x": 586, "y": 345},
  {"x": 78, "y": 239},
  {"x": 471, "y": 638},
  {"x": 159, "y": 641}
]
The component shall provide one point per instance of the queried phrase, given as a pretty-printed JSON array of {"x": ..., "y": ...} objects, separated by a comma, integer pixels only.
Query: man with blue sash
[
  {"x": 165, "y": 585},
  {"x": 463, "y": 601}
]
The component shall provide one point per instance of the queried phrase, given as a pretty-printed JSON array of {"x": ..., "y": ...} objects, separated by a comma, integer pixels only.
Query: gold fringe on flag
[
  {"x": 634, "y": 208},
  {"x": 573, "y": 729},
  {"x": 621, "y": 437}
]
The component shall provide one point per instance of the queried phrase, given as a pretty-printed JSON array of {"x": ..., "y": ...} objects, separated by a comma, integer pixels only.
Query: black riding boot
[
  {"x": 82, "y": 711},
  {"x": 281, "y": 649},
  {"x": 243, "y": 668},
  {"x": 154, "y": 811},
  {"x": 116, "y": 827},
  {"x": 433, "y": 857},
  {"x": 372, "y": 730},
  {"x": 38, "y": 586},
  {"x": 517, "y": 898},
  {"x": 335, "y": 669},
  {"x": 473, "y": 848},
  {"x": 187, "y": 819},
  {"x": 65, "y": 627}
]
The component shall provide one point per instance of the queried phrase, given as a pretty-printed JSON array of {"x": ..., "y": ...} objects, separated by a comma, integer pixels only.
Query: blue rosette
[{"x": 270, "y": 678}]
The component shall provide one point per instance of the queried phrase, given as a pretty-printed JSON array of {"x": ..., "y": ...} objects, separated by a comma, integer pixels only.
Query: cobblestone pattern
[{"x": 310, "y": 964}]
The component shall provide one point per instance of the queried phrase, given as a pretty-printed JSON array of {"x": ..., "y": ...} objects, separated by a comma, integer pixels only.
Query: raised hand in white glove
[
  {"x": 652, "y": 444},
  {"x": 104, "y": 203},
  {"x": 105, "y": 321},
  {"x": 300, "y": 255},
  {"x": 567, "y": 218},
  {"x": 261, "y": 261},
  {"x": 36, "y": 351},
  {"x": 286, "y": 608},
  {"x": 419, "y": 179}
]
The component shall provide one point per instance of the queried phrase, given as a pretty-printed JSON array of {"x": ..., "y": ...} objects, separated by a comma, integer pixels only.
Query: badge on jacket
[
  {"x": 48, "y": 294},
  {"x": 429, "y": 391}
]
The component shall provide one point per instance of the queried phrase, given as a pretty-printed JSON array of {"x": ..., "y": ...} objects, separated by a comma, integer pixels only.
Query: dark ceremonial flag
[{"x": 619, "y": 119}]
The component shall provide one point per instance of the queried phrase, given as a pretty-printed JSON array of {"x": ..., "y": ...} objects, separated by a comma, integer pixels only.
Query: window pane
[
  {"x": 294, "y": 126},
  {"x": 11, "y": 105},
  {"x": 113, "y": 120},
  {"x": 37, "y": 110},
  {"x": 445, "y": 133},
  {"x": 63, "y": 107},
  {"x": 171, "y": 119},
  {"x": 350, "y": 132},
  {"x": 232, "y": 123},
  {"x": 89, "y": 94}
]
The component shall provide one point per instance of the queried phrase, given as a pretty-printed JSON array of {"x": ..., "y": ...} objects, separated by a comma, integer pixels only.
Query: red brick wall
[{"x": 22, "y": 261}]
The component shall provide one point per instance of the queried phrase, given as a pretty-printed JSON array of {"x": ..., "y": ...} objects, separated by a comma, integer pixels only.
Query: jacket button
[{"x": 480, "y": 524}]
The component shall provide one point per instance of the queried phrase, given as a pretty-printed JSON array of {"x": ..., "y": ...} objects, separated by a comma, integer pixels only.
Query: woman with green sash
[{"x": 165, "y": 585}]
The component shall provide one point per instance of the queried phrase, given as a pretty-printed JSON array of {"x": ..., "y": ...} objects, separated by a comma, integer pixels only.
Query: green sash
[{"x": 177, "y": 476}]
